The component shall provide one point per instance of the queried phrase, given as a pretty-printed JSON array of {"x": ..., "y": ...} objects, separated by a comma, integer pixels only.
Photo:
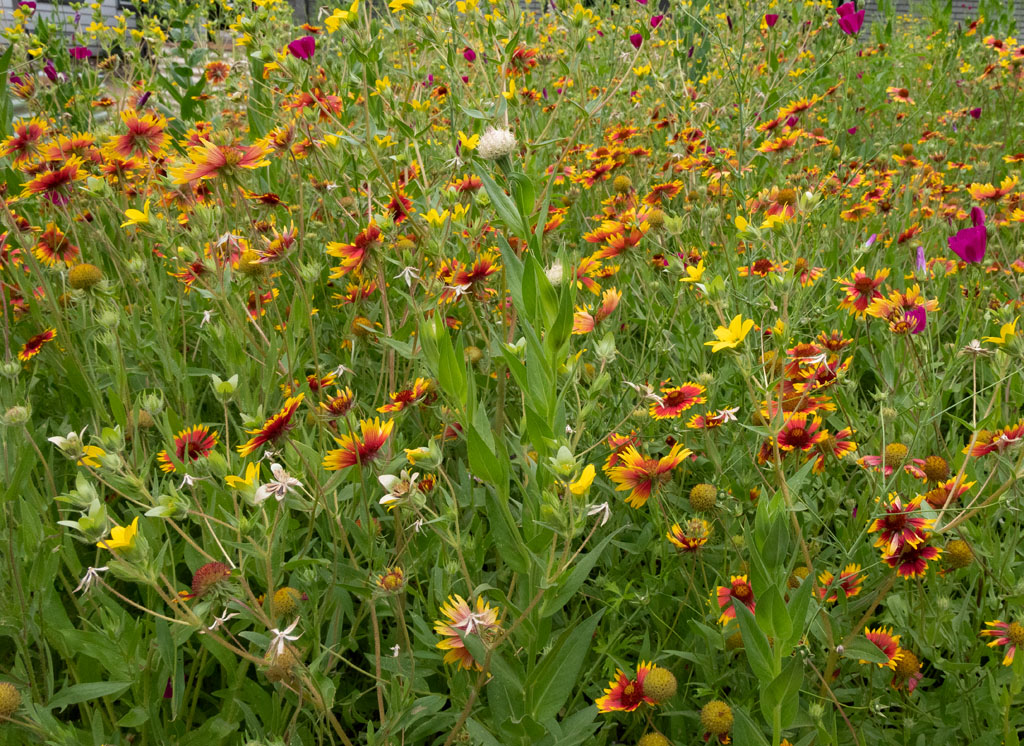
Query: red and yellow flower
[
  {"x": 355, "y": 450},
  {"x": 191, "y": 444},
  {"x": 739, "y": 589},
  {"x": 642, "y": 475},
  {"x": 886, "y": 641},
  {"x": 691, "y": 538},
  {"x": 274, "y": 428},
  {"x": 625, "y": 694},
  {"x": 1008, "y": 634},
  {"x": 147, "y": 136},
  {"x": 849, "y": 580},
  {"x": 675, "y": 400},
  {"x": 34, "y": 344},
  {"x": 460, "y": 619}
]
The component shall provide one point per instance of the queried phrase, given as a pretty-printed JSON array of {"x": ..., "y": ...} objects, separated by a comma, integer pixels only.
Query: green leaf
[
  {"x": 6, "y": 107},
  {"x": 755, "y": 643},
  {"x": 551, "y": 683},
  {"x": 783, "y": 693},
  {"x": 579, "y": 573},
  {"x": 863, "y": 649},
  {"x": 771, "y": 614},
  {"x": 745, "y": 730},
  {"x": 503, "y": 204},
  {"x": 77, "y": 693},
  {"x": 799, "y": 601}
]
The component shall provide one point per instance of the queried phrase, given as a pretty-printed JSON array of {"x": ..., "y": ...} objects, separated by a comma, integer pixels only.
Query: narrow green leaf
[
  {"x": 551, "y": 683},
  {"x": 78, "y": 693},
  {"x": 755, "y": 643}
]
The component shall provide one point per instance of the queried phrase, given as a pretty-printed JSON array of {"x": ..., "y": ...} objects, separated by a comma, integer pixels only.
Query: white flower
[
  {"x": 189, "y": 480},
  {"x": 646, "y": 391},
  {"x": 409, "y": 274},
  {"x": 91, "y": 577},
  {"x": 496, "y": 143},
  {"x": 555, "y": 273},
  {"x": 71, "y": 444},
  {"x": 397, "y": 487},
  {"x": 604, "y": 510},
  {"x": 227, "y": 237},
  {"x": 282, "y": 637},
  {"x": 728, "y": 414},
  {"x": 218, "y": 621},
  {"x": 280, "y": 486},
  {"x": 207, "y": 315},
  {"x": 396, "y": 650}
]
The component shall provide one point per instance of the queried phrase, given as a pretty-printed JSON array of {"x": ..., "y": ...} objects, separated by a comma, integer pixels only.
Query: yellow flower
[
  {"x": 384, "y": 142},
  {"x": 121, "y": 537},
  {"x": 732, "y": 335},
  {"x": 339, "y": 16},
  {"x": 1006, "y": 332},
  {"x": 464, "y": 6},
  {"x": 135, "y": 217},
  {"x": 741, "y": 223},
  {"x": 468, "y": 142},
  {"x": 397, "y": 6},
  {"x": 642, "y": 71},
  {"x": 252, "y": 474},
  {"x": 511, "y": 92},
  {"x": 582, "y": 484},
  {"x": 693, "y": 274},
  {"x": 435, "y": 219},
  {"x": 90, "y": 454},
  {"x": 772, "y": 221}
]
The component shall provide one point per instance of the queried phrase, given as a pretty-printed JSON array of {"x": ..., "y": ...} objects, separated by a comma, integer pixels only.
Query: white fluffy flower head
[{"x": 496, "y": 143}]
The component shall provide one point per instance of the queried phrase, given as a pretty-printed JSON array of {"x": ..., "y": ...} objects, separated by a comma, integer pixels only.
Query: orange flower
[
  {"x": 355, "y": 450},
  {"x": 146, "y": 136},
  {"x": 640, "y": 475},
  {"x": 55, "y": 184},
  {"x": 461, "y": 620},
  {"x": 209, "y": 161}
]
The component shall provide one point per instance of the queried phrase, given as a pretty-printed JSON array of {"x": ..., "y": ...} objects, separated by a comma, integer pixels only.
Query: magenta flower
[
  {"x": 80, "y": 53},
  {"x": 636, "y": 40},
  {"x": 922, "y": 265},
  {"x": 919, "y": 316},
  {"x": 770, "y": 19},
  {"x": 303, "y": 47},
  {"x": 850, "y": 19},
  {"x": 27, "y": 4},
  {"x": 975, "y": 112},
  {"x": 50, "y": 71},
  {"x": 656, "y": 21},
  {"x": 852, "y": 130},
  {"x": 977, "y": 216},
  {"x": 970, "y": 243},
  {"x": 469, "y": 54}
]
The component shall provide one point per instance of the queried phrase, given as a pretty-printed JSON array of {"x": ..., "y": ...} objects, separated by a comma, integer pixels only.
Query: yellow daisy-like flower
[
  {"x": 1006, "y": 332},
  {"x": 121, "y": 537},
  {"x": 581, "y": 484},
  {"x": 731, "y": 336}
]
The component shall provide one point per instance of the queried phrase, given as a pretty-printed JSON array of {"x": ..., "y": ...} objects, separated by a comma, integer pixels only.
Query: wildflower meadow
[{"x": 642, "y": 373}]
